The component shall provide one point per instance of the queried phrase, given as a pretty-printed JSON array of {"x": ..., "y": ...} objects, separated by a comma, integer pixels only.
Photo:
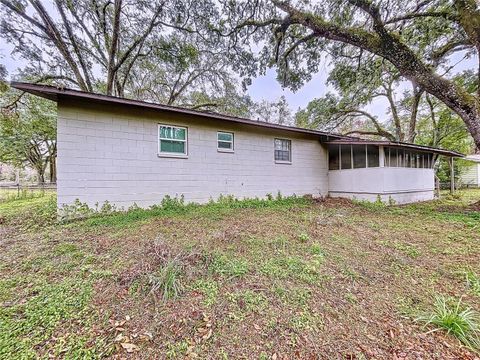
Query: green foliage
[
  {"x": 294, "y": 267},
  {"x": 23, "y": 326},
  {"x": 408, "y": 249},
  {"x": 377, "y": 205},
  {"x": 173, "y": 207},
  {"x": 306, "y": 320},
  {"x": 228, "y": 266},
  {"x": 30, "y": 213},
  {"x": 297, "y": 297},
  {"x": 249, "y": 300},
  {"x": 316, "y": 249},
  {"x": 303, "y": 237},
  {"x": 209, "y": 289},
  {"x": 463, "y": 323},
  {"x": 28, "y": 135}
]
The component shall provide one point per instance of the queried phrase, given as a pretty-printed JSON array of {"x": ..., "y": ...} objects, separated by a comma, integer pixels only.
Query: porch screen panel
[
  {"x": 393, "y": 157},
  {"x": 334, "y": 157},
  {"x": 346, "y": 156},
  {"x": 373, "y": 158},
  {"x": 359, "y": 156}
]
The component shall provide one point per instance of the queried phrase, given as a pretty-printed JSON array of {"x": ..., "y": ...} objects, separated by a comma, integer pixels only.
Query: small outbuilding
[
  {"x": 134, "y": 152},
  {"x": 470, "y": 174}
]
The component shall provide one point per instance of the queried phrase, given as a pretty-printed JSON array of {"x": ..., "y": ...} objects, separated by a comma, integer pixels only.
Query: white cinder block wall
[{"x": 110, "y": 153}]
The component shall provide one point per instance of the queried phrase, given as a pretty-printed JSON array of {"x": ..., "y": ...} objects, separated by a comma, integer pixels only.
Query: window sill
[
  {"x": 283, "y": 162},
  {"x": 172, "y": 155},
  {"x": 226, "y": 151}
]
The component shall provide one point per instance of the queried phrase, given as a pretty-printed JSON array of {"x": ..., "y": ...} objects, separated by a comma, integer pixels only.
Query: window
[
  {"x": 359, "y": 156},
  {"x": 346, "y": 156},
  {"x": 334, "y": 157},
  {"x": 342, "y": 157},
  {"x": 283, "y": 150},
  {"x": 225, "y": 141},
  {"x": 373, "y": 156},
  {"x": 408, "y": 159},
  {"x": 400, "y": 154},
  {"x": 393, "y": 157},
  {"x": 172, "y": 140}
]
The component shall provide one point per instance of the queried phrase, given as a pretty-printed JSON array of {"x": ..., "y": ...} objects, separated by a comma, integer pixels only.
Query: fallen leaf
[
  {"x": 129, "y": 347},
  {"x": 208, "y": 335}
]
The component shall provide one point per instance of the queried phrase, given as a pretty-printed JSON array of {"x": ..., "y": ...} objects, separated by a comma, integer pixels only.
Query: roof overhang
[
  {"x": 473, "y": 158},
  {"x": 398, "y": 145},
  {"x": 57, "y": 93}
]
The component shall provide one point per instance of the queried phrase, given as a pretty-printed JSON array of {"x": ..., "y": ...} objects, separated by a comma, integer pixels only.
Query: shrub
[{"x": 455, "y": 320}]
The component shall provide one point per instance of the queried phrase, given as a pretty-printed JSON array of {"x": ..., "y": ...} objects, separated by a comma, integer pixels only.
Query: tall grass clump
[
  {"x": 454, "y": 319},
  {"x": 166, "y": 281}
]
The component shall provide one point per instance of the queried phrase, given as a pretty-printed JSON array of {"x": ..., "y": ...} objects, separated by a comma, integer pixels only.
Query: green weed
[
  {"x": 291, "y": 266},
  {"x": 209, "y": 289},
  {"x": 455, "y": 320},
  {"x": 224, "y": 265},
  {"x": 248, "y": 300},
  {"x": 25, "y": 325},
  {"x": 303, "y": 237}
]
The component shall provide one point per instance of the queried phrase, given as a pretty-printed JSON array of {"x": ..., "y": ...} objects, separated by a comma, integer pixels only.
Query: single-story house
[
  {"x": 470, "y": 174},
  {"x": 133, "y": 152}
]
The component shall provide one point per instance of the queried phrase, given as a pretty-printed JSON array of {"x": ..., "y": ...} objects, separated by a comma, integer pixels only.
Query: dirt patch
[{"x": 475, "y": 206}]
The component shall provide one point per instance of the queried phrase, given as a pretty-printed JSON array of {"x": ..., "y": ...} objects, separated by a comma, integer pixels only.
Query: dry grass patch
[{"x": 291, "y": 279}]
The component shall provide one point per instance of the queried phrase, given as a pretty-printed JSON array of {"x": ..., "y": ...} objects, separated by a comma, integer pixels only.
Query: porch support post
[
  {"x": 452, "y": 177},
  {"x": 381, "y": 156}
]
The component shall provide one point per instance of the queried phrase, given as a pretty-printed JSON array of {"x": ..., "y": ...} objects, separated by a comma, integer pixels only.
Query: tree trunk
[
  {"x": 40, "y": 174},
  {"x": 53, "y": 168},
  {"x": 412, "y": 128}
]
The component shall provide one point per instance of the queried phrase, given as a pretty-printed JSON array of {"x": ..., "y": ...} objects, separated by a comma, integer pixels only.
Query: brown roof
[
  {"x": 55, "y": 93},
  {"x": 399, "y": 144}
]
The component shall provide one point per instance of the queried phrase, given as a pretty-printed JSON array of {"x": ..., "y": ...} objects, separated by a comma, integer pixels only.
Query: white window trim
[
  {"x": 219, "y": 149},
  {"x": 170, "y": 154},
  {"x": 291, "y": 152}
]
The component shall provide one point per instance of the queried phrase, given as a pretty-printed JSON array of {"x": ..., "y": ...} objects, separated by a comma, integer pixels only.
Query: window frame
[
  {"x": 290, "y": 151},
  {"x": 232, "y": 149},
  {"x": 172, "y": 154}
]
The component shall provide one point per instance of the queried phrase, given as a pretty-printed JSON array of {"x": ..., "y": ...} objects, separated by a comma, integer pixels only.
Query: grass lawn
[{"x": 281, "y": 279}]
